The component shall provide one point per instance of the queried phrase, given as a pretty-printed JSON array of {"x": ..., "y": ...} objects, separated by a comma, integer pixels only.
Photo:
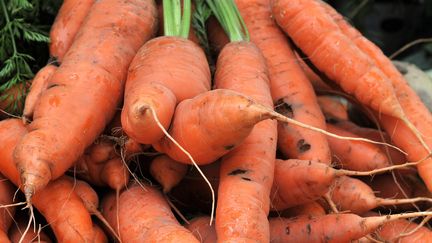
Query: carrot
[
  {"x": 39, "y": 85},
  {"x": 144, "y": 216},
  {"x": 414, "y": 108},
  {"x": 99, "y": 235},
  {"x": 396, "y": 157},
  {"x": 66, "y": 25},
  {"x": 355, "y": 155},
  {"x": 7, "y": 191},
  {"x": 167, "y": 172},
  {"x": 58, "y": 203},
  {"x": 84, "y": 91},
  {"x": 299, "y": 181},
  {"x": 356, "y": 196},
  {"x": 292, "y": 92},
  {"x": 391, "y": 232},
  {"x": 150, "y": 86},
  {"x": 311, "y": 209},
  {"x": 202, "y": 230},
  {"x": 350, "y": 67},
  {"x": 16, "y": 232},
  {"x": 330, "y": 228},
  {"x": 332, "y": 107}
]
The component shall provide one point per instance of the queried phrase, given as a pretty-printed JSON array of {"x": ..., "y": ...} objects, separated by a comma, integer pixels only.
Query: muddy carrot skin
[
  {"x": 291, "y": 90},
  {"x": 66, "y": 25},
  {"x": 84, "y": 92}
]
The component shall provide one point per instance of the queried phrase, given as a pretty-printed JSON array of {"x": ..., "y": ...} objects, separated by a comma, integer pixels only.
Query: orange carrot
[
  {"x": 66, "y": 25},
  {"x": 7, "y": 191},
  {"x": 144, "y": 216},
  {"x": 332, "y": 107},
  {"x": 356, "y": 196},
  {"x": 167, "y": 172},
  {"x": 311, "y": 209},
  {"x": 292, "y": 92},
  {"x": 300, "y": 181},
  {"x": 84, "y": 91},
  {"x": 355, "y": 155},
  {"x": 329, "y": 228},
  {"x": 413, "y": 107},
  {"x": 202, "y": 230},
  {"x": 99, "y": 235},
  {"x": 58, "y": 203},
  {"x": 345, "y": 63},
  {"x": 165, "y": 71},
  {"x": 38, "y": 86},
  {"x": 391, "y": 232},
  {"x": 16, "y": 232}
]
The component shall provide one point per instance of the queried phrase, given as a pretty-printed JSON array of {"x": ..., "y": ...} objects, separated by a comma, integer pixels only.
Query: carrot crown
[
  {"x": 229, "y": 17},
  {"x": 176, "y": 23}
]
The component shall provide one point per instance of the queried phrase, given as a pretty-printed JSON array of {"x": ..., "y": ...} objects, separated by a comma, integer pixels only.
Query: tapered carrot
[
  {"x": 356, "y": 196},
  {"x": 144, "y": 216},
  {"x": 167, "y": 172},
  {"x": 413, "y": 107},
  {"x": 355, "y": 155},
  {"x": 58, "y": 203},
  {"x": 330, "y": 228},
  {"x": 38, "y": 86},
  {"x": 85, "y": 90},
  {"x": 158, "y": 80},
  {"x": 66, "y": 25},
  {"x": 292, "y": 92},
  {"x": 345, "y": 63},
  {"x": 202, "y": 230},
  {"x": 299, "y": 181}
]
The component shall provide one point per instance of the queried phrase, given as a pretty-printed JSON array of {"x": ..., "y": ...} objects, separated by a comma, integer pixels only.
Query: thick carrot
[
  {"x": 58, "y": 203},
  {"x": 66, "y": 25},
  {"x": 144, "y": 216},
  {"x": 165, "y": 71},
  {"x": 202, "y": 230},
  {"x": 411, "y": 103},
  {"x": 84, "y": 91},
  {"x": 330, "y": 228},
  {"x": 356, "y": 196},
  {"x": 38, "y": 86},
  {"x": 167, "y": 172},
  {"x": 355, "y": 155},
  {"x": 292, "y": 92}
]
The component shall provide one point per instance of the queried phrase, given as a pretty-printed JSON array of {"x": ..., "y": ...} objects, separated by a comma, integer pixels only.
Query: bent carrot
[
  {"x": 355, "y": 155},
  {"x": 66, "y": 25},
  {"x": 167, "y": 172},
  {"x": 84, "y": 91},
  {"x": 291, "y": 91},
  {"x": 58, "y": 203},
  {"x": 357, "y": 197},
  {"x": 158, "y": 80},
  {"x": 144, "y": 216},
  {"x": 38, "y": 86}
]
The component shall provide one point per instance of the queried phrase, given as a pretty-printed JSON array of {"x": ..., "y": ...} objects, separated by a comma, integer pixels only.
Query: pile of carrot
[{"x": 145, "y": 128}]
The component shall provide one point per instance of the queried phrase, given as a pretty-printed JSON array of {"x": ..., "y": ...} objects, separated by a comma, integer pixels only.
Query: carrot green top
[
  {"x": 176, "y": 23},
  {"x": 229, "y": 17}
]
